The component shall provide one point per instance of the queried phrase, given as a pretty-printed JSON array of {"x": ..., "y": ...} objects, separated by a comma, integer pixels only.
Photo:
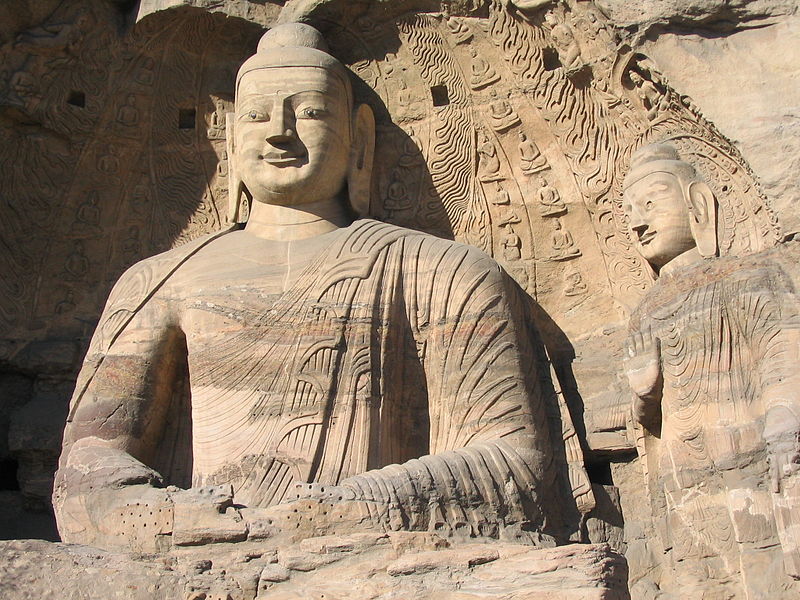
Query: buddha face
[
  {"x": 659, "y": 217},
  {"x": 292, "y": 135}
]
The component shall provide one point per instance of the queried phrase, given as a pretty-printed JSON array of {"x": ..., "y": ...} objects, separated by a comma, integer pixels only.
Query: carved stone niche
[
  {"x": 508, "y": 488},
  {"x": 112, "y": 151},
  {"x": 555, "y": 73},
  {"x": 451, "y": 98}
]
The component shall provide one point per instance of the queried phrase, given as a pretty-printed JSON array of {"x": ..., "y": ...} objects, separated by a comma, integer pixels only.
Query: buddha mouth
[
  {"x": 647, "y": 237},
  {"x": 280, "y": 158}
]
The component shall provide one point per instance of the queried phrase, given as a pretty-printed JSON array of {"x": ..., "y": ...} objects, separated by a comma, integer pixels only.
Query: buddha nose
[
  {"x": 281, "y": 124},
  {"x": 638, "y": 226},
  {"x": 637, "y": 223}
]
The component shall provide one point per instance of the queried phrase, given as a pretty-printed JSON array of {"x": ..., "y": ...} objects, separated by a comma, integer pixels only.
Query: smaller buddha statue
[
  {"x": 569, "y": 53},
  {"x": 410, "y": 153},
  {"x": 531, "y": 159},
  {"x": 550, "y": 203},
  {"x": 128, "y": 114},
  {"x": 488, "y": 161},
  {"x": 132, "y": 245},
  {"x": 76, "y": 264},
  {"x": 562, "y": 244},
  {"x": 712, "y": 361},
  {"x": 500, "y": 196},
  {"x": 574, "y": 285},
  {"x": 458, "y": 29},
  {"x": 509, "y": 216},
  {"x": 503, "y": 116},
  {"x": 109, "y": 161},
  {"x": 482, "y": 72},
  {"x": 397, "y": 199},
  {"x": 652, "y": 99},
  {"x": 512, "y": 245},
  {"x": 87, "y": 220},
  {"x": 216, "y": 127}
]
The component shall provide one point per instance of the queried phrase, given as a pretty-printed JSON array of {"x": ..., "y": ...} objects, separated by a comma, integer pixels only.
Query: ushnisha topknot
[
  {"x": 293, "y": 35},
  {"x": 295, "y": 45},
  {"x": 659, "y": 157}
]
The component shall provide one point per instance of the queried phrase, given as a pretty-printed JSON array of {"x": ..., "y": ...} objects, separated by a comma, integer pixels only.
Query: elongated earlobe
[
  {"x": 238, "y": 198},
  {"x": 359, "y": 173},
  {"x": 703, "y": 217}
]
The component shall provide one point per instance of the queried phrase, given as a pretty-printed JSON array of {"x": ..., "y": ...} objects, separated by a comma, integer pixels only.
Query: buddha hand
[
  {"x": 642, "y": 365},
  {"x": 206, "y": 515},
  {"x": 314, "y": 509}
]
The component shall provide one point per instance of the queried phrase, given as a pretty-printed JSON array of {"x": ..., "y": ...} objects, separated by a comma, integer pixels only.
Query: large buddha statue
[
  {"x": 311, "y": 371},
  {"x": 713, "y": 361}
]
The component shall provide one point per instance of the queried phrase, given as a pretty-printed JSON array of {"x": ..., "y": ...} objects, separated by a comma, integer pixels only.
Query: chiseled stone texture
[
  {"x": 748, "y": 84},
  {"x": 721, "y": 15},
  {"x": 712, "y": 359},
  {"x": 354, "y": 567},
  {"x": 527, "y": 201}
]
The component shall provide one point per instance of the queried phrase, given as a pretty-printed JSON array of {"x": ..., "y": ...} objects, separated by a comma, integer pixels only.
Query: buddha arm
[
  {"x": 490, "y": 456},
  {"x": 767, "y": 319},
  {"x": 117, "y": 420}
]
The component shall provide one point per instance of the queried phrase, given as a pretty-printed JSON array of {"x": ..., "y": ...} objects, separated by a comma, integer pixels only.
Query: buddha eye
[
  {"x": 311, "y": 113},
  {"x": 648, "y": 205},
  {"x": 254, "y": 115}
]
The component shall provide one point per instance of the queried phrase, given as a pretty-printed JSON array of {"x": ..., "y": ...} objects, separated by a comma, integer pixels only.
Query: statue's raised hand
[
  {"x": 782, "y": 434},
  {"x": 642, "y": 364}
]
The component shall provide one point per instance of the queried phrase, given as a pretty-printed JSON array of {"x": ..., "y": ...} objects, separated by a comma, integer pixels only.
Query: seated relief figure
[
  {"x": 309, "y": 373},
  {"x": 713, "y": 362}
]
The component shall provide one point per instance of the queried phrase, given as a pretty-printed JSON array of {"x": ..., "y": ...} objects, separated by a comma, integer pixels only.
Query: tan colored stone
[
  {"x": 116, "y": 148},
  {"x": 493, "y": 570},
  {"x": 747, "y": 83},
  {"x": 342, "y": 376},
  {"x": 712, "y": 361},
  {"x": 424, "y": 562}
]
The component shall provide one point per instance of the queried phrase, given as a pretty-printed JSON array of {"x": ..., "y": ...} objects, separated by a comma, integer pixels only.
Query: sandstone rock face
[
  {"x": 700, "y": 14},
  {"x": 505, "y": 125},
  {"x": 747, "y": 83},
  {"x": 361, "y": 567}
]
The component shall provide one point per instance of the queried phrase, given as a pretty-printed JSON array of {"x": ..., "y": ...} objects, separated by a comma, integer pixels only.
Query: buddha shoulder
[
  {"x": 422, "y": 252},
  {"x": 143, "y": 279}
]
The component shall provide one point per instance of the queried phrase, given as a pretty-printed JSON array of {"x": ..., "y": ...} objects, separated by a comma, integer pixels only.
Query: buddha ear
[
  {"x": 238, "y": 197},
  {"x": 703, "y": 217},
  {"x": 362, "y": 151}
]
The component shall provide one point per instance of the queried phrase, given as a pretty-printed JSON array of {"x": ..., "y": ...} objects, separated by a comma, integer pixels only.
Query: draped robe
[
  {"x": 727, "y": 336},
  {"x": 394, "y": 363}
]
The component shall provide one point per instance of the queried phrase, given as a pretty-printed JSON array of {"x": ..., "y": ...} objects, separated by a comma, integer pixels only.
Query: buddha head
[
  {"x": 296, "y": 138},
  {"x": 671, "y": 210}
]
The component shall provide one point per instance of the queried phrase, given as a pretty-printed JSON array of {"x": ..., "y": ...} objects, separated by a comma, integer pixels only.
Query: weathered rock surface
[
  {"x": 356, "y": 567},
  {"x": 722, "y": 15},
  {"x": 505, "y": 124},
  {"x": 263, "y": 13},
  {"x": 748, "y": 84}
]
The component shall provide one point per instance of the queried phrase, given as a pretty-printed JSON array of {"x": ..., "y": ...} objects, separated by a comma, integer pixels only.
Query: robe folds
[
  {"x": 402, "y": 367},
  {"x": 727, "y": 334}
]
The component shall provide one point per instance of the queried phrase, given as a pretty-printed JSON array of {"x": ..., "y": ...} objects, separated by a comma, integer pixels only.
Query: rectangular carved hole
[
  {"x": 550, "y": 59},
  {"x": 600, "y": 473},
  {"x": 76, "y": 98},
  {"x": 8, "y": 475},
  {"x": 440, "y": 95},
  {"x": 187, "y": 118}
]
